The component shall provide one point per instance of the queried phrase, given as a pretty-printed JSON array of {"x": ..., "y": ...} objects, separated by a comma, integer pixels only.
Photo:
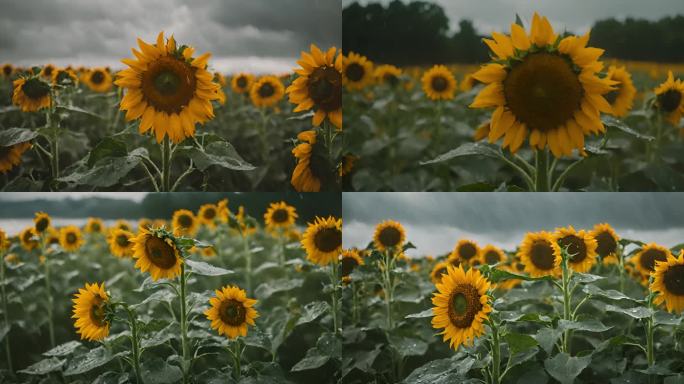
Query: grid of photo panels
[{"x": 341, "y": 191}]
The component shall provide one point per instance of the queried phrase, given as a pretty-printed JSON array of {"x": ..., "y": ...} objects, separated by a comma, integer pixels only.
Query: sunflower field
[
  {"x": 168, "y": 123},
  {"x": 549, "y": 112},
  {"x": 567, "y": 305},
  {"x": 212, "y": 296}
]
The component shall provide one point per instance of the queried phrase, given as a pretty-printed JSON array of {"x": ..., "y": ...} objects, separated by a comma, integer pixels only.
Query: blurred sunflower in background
[
  {"x": 266, "y": 91},
  {"x": 322, "y": 240},
  {"x": 607, "y": 242},
  {"x": 387, "y": 74},
  {"x": 313, "y": 170},
  {"x": 349, "y": 260},
  {"x": 47, "y": 71},
  {"x": 540, "y": 254},
  {"x": 668, "y": 281},
  {"x": 52, "y": 236},
  {"x": 64, "y": 77},
  {"x": 231, "y": 311},
  {"x": 94, "y": 225},
  {"x": 207, "y": 215},
  {"x": 465, "y": 251},
  {"x": 98, "y": 80},
  {"x": 10, "y": 156},
  {"x": 120, "y": 243},
  {"x": 184, "y": 223},
  {"x": 157, "y": 253},
  {"x": 7, "y": 70},
  {"x": 439, "y": 83},
  {"x": 491, "y": 255},
  {"x": 579, "y": 245},
  {"x": 357, "y": 71},
  {"x": 28, "y": 238},
  {"x": 670, "y": 99},
  {"x": 438, "y": 271},
  {"x": 31, "y": 94},
  {"x": 622, "y": 98},
  {"x": 280, "y": 215},
  {"x": 90, "y": 312},
  {"x": 647, "y": 257},
  {"x": 242, "y": 83},
  {"x": 41, "y": 222},
  {"x": 70, "y": 238},
  {"x": 123, "y": 224},
  {"x": 389, "y": 235}
]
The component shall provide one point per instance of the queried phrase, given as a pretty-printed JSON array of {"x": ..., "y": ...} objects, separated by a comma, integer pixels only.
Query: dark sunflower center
[
  {"x": 606, "y": 244},
  {"x": 611, "y": 96},
  {"x": 185, "y": 221},
  {"x": 266, "y": 90},
  {"x": 97, "y": 312},
  {"x": 35, "y": 89},
  {"x": 464, "y": 305},
  {"x": 325, "y": 88},
  {"x": 648, "y": 259},
  {"x": 390, "y": 79},
  {"x": 169, "y": 84},
  {"x": 232, "y": 312},
  {"x": 389, "y": 236},
  {"x": 160, "y": 253},
  {"x": 542, "y": 255},
  {"x": 328, "y": 239},
  {"x": 48, "y": 71},
  {"x": 71, "y": 238},
  {"x": 543, "y": 91},
  {"x": 122, "y": 240},
  {"x": 674, "y": 280},
  {"x": 467, "y": 251},
  {"x": 519, "y": 267},
  {"x": 669, "y": 101},
  {"x": 7, "y": 70},
  {"x": 63, "y": 77},
  {"x": 440, "y": 272},
  {"x": 354, "y": 72},
  {"x": 492, "y": 257},
  {"x": 97, "y": 77},
  {"x": 439, "y": 83},
  {"x": 209, "y": 213},
  {"x": 27, "y": 237},
  {"x": 242, "y": 82},
  {"x": 95, "y": 227},
  {"x": 347, "y": 265},
  {"x": 576, "y": 248},
  {"x": 280, "y": 216},
  {"x": 42, "y": 224}
]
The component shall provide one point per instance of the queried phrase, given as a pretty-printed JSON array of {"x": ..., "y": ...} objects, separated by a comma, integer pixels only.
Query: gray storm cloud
[{"x": 263, "y": 35}]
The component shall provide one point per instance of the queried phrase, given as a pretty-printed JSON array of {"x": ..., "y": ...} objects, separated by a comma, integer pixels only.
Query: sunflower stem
[
  {"x": 496, "y": 353},
  {"x": 541, "y": 175},
  {"x": 334, "y": 280},
  {"x": 650, "y": 329},
  {"x": 8, "y": 352},
  {"x": 184, "y": 324},
  {"x": 236, "y": 352},
  {"x": 388, "y": 287},
  {"x": 248, "y": 262},
  {"x": 135, "y": 343},
  {"x": 566, "y": 299},
  {"x": 51, "y": 327},
  {"x": 166, "y": 166},
  {"x": 355, "y": 303},
  {"x": 621, "y": 264}
]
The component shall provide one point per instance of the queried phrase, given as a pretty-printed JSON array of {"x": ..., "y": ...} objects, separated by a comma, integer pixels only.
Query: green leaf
[
  {"x": 591, "y": 325},
  {"x": 327, "y": 347},
  {"x": 468, "y": 149},
  {"x": 421, "y": 315},
  {"x": 499, "y": 275},
  {"x": 313, "y": 311},
  {"x": 477, "y": 187},
  {"x": 258, "y": 339},
  {"x": 612, "y": 122},
  {"x": 206, "y": 269},
  {"x": 105, "y": 172},
  {"x": 157, "y": 371},
  {"x": 88, "y": 361},
  {"x": 161, "y": 337},
  {"x": 664, "y": 318},
  {"x": 71, "y": 108},
  {"x": 63, "y": 349},
  {"x": 44, "y": 367},
  {"x": 585, "y": 277},
  {"x": 636, "y": 312},
  {"x": 12, "y": 136},
  {"x": 566, "y": 368},
  {"x": 516, "y": 316},
  {"x": 108, "y": 147},
  {"x": 408, "y": 346},
  {"x": 442, "y": 371},
  {"x": 518, "y": 342},
  {"x": 547, "y": 337},
  {"x": 266, "y": 290},
  {"x": 609, "y": 294},
  {"x": 219, "y": 153},
  {"x": 312, "y": 361}
]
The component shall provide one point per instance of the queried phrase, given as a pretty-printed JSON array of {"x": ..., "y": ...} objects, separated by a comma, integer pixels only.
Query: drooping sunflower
[
  {"x": 319, "y": 85},
  {"x": 7, "y": 70},
  {"x": 668, "y": 281},
  {"x": 492, "y": 255},
  {"x": 207, "y": 215},
  {"x": 540, "y": 254},
  {"x": 47, "y": 71},
  {"x": 438, "y": 271},
  {"x": 387, "y": 74},
  {"x": 580, "y": 246},
  {"x": 389, "y": 235},
  {"x": 167, "y": 89},
  {"x": 349, "y": 259},
  {"x": 465, "y": 251},
  {"x": 231, "y": 311},
  {"x": 357, "y": 71},
  {"x": 31, "y": 94},
  {"x": 439, "y": 83},
  {"x": 322, "y": 240},
  {"x": 461, "y": 306},
  {"x": 70, "y": 238},
  {"x": 313, "y": 171},
  {"x": 670, "y": 99},
  {"x": 607, "y": 241},
  {"x": 157, "y": 253},
  {"x": 90, "y": 312},
  {"x": 648, "y": 256},
  {"x": 184, "y": 222},
  {"x": 544, "y": 86},
  {"x": 41, "y": 222},
  {"x": 11, "y": 156},
  {"x": 120, "y": 243},
  {"x": 64, "y": 77},
  {"x": 28, "y": 238},
  {"x": 94, "y": 225},
  {"x": 280, "y": 215},
  {"x": 622, "y": 98},
  {"x": 266, "y": 91},
  {"x": 242, "y": 83},
  {"x": 98, "y": 80}
]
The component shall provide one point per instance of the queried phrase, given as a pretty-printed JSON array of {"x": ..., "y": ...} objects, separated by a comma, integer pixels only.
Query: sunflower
[
  {"x": 607, "y": 241},
  {"x": 120, "y": 243},
  {"x": 64, "y": 77},
  {"x": 4, "y": 241},
  {"x": 492, "y": 255},
  {"x": 167, "y": 89},
  {"x": 47, "y": 71},
  {"x": 94, "y": 225},
  {"x": 349, "y": 259},
  {"x": 438, "y": 271},
  {"x": 90, "y": 312},
  {"x": 223, "y": 211},
  {"x": 156, "y": 252},
  {"x": 482, "y": 131},
  {"x": 31, "y": 94},
  {"x": 28, "y": 238},
  {"x": 231, "y": 311},
  {"x": 439, "y": 83},
  {"x": 461, "y": 306},
  {"x": 123, "y": 224},
  {"x": 468, "y": 82},
  {"x": 579, "y": 245},
  {"x": 540, "y": 254},
  {"x": 184, "y": 222},
  {"x": 323, "y": 240},
  {"x": 387, "y": 74},
  {"x": 41, "y": 222},
  {"x": 357, "y": 71},
  {"x": 98, "y": 80},
  {"x": 207, "y": 215},
  {"x": 622, "y": 98},
  {"x": 347, "y": 164},
  {"x": 668, "y": 281},
  {"x": 246, "y": 227},
  {"x": 543, "y": 85},
  {"x": 7, "y": 70},
  {"x": 670, "y": 99},
  {"x": 313, "y": 170},
  {"x": 267, "y": 91},
  {"x": 242, "y": 83},
  {"x": 465, "y": 251},
  {"x": 280, "y": 215},
  {"x": 648, "y": 256},
  {"x": 11, "y": 156},
  {"x": 52, "y": 236},
  {"x": 70, "y": 238},
  {"x": 389, "y": 235}
]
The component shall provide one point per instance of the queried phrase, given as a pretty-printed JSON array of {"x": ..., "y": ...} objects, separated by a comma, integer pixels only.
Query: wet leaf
[
  {"x": 206, "y": 269},
  {"x": 11, "y": 136},
  {"x": 565, "y": 368}
]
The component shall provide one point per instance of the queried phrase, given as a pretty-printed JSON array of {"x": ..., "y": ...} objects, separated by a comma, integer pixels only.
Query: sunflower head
[
  {"x": 465, "y": 251},
  {"x": 347, "y": 164},
  {"x": 670, "y": 99},
  {"x": 7, "y": 70},
  {"x": 120, "y": 243},
  {"x": 123, "y": 224},
  {"x": 580, "y": 248},
  {"x": 439, "y": 83},
  {"x": 222, "y": 210},
  {"x": 668, "y": 281},
  {"x": 98, "y": 80},
  {"x": 349, "y": 260},
  {"x": 184, "y": 222},
  {"x": 461, "y": 306},
  {"x": 231, "y": 312},
  {"x": 387, "y": 74},
  {"x": 357, "y": 71},
  {"x": 322, "y": 240},
  {"x": 155, "y": 250},
  {"x": 31, "y": 93},
  {"x": 621, "y": 98},
  {"x": 241, "y": 83},
  {"x": 492, "y": 255},
  {"x": 540, "y": 254},
  {"x": 47, "y": 71},
  {"x": 10, "y": 156},
  {"x": 41, "y": 222},
  {"x": 313, "y": 171},
  {"x": 390, "y": 236},
  {"x": 606, "y": 240},
  {"x": 208, "y": 214},
  {"x": 94, "y": 225},
  {"x": 267, "y": 91},
  {"x": 64, "y": 77},
  {"x": 29, "y": 239},
  {"x": 70, "y": 238},
  {"x": 648, "y": 256},
  {"x": 438, "y": 270},
  {"x": 280, "y": 215},
  {"x": 91, "y": 312}
]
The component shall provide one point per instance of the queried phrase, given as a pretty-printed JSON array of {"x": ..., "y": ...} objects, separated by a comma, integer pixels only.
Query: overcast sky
[
  {"x": 24, "y": 196},
  {"x": 573, "y": 15},
  {"x": 434, "y": 222},
  {"x": 243, "y": 35}
]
